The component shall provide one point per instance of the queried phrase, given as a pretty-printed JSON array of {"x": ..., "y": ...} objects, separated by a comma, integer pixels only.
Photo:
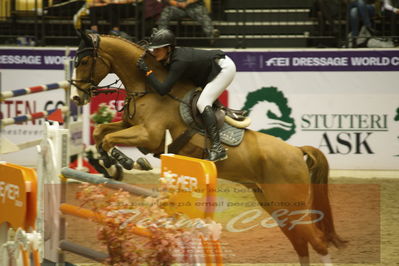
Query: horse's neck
[{"x": 123, "y": 57}]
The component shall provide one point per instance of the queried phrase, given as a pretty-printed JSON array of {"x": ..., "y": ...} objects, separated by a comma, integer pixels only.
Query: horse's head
[{"x": 90, "y": 68}]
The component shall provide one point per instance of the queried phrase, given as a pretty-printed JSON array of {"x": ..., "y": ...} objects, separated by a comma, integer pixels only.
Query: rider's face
[{"x": 160, "y": 54}]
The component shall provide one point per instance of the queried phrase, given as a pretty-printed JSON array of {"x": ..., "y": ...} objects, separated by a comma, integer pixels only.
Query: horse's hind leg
[
  {"x": 300, "y": 236},
  {"x": 300, "y": 245}
]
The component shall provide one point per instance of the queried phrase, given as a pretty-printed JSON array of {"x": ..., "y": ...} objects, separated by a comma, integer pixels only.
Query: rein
[
  {"x": 178, "y": 100},
  {"x": 132, "y": 97}
]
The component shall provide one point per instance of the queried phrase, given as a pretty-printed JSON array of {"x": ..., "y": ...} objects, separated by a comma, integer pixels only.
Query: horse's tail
[{"x": 319, "y": 170}]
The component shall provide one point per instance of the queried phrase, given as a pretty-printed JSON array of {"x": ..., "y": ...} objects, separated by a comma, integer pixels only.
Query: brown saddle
[{"x": 220, "y": 112}]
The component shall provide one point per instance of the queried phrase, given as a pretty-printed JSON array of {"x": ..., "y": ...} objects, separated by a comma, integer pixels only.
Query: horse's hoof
[
  {"x": 122, "y": 159},
  {"x": 118, "y": 174},
  {"x": 99, "y": 168},
  {"x": 115, "y": 173},
  {"x": 111, "y": 173},
  {"x": 127, "y": 163},
  {"x": 144, "y": 164},
  {"x": 107, "y": 161}
]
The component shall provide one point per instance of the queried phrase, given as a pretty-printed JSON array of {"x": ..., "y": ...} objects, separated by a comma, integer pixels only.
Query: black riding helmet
[{"x": 161, "y": 38}]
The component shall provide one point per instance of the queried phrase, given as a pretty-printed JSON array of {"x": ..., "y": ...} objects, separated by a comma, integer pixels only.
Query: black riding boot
[{"x": 217, "y": 151}]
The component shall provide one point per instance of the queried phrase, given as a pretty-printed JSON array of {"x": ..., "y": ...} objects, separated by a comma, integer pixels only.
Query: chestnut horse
[{"x": 275, "y": 170}]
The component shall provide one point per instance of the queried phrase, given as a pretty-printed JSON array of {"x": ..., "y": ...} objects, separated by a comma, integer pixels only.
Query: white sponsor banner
[{"x": 353, "y": 117}]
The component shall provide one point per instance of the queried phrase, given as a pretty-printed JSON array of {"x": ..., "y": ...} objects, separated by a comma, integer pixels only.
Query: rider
[{"x": 211, "y": 70}]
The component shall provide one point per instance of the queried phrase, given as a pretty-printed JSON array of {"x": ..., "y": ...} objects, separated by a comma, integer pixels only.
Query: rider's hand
[{"x": 142, "y": 65}]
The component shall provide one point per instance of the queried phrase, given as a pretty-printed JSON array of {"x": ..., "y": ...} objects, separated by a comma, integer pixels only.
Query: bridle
[{"x": 94, "y": 89}]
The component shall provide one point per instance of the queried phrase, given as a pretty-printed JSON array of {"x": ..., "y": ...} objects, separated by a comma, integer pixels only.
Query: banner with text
[{"x": 344, "y": 102}]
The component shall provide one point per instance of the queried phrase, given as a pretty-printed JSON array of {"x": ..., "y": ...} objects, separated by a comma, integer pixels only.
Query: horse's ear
[{"x": 84, "y": 37}]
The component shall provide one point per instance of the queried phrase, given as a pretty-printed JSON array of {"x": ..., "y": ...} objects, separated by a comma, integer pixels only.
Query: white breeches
[{"x": 216, "y": 87}]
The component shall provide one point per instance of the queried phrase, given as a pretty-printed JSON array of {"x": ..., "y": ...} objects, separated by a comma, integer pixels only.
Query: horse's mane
[
  {"x": 124, "y": 40},
  {"x": 143, "y": 49}
]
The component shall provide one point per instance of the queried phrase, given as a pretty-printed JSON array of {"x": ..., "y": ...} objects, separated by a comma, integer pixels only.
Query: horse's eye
[{"x": 84, "y": 62}]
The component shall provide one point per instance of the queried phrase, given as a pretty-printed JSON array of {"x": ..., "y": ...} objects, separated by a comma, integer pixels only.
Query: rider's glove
[{"x": 143, "y": 67}]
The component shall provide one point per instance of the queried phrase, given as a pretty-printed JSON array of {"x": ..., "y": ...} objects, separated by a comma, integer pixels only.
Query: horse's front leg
[
  {"x": 103, "y": 129},
  {"x": 100, "y": 132},
  {"x": 137, "y": 136}
]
